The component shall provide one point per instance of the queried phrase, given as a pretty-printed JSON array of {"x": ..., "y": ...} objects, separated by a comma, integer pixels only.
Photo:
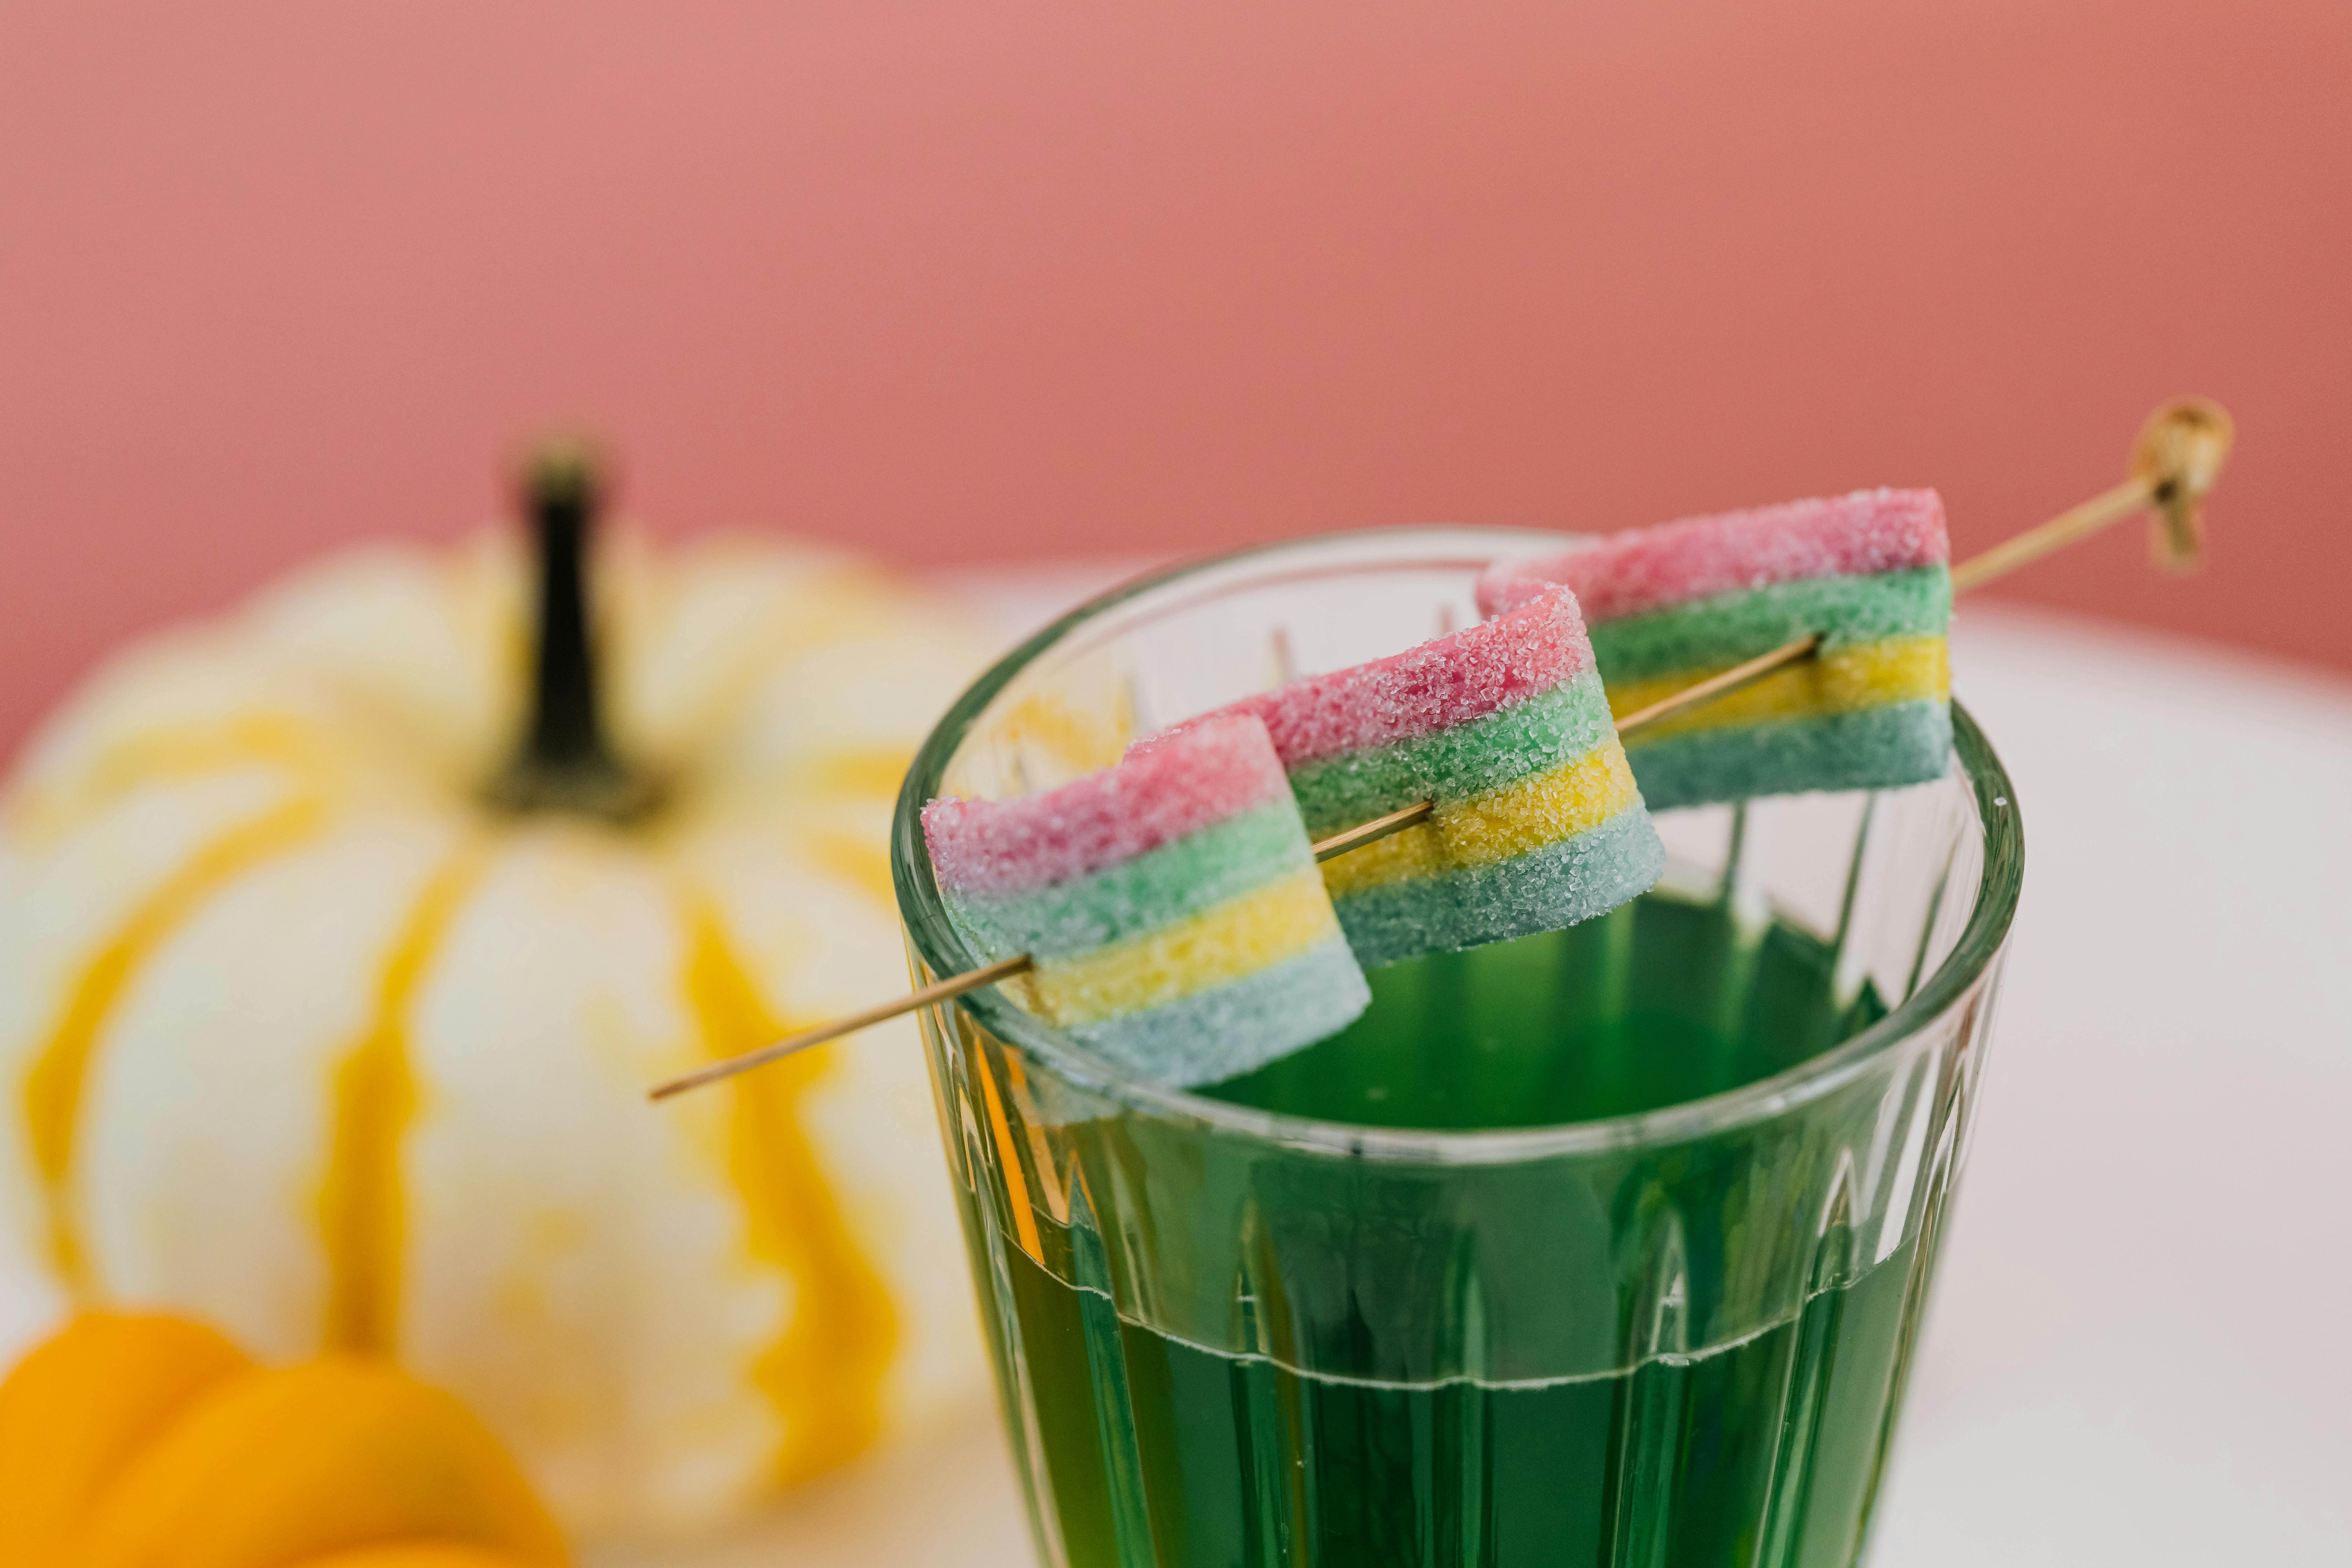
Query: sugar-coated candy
[
  {"x": 1670, "y": 605},
  {"x": 1503, "y": 726},
  {"x": 1171, "y": 902}
]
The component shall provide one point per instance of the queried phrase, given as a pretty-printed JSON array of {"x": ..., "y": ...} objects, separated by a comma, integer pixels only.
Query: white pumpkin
[{"x": 300, "y": 1036}]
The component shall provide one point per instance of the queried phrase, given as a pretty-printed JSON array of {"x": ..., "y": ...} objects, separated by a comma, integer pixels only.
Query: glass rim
[{"x": 940, "y": 948}]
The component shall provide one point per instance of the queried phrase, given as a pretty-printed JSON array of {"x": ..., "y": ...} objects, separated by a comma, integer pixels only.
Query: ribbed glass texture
[{"x": 1421, "y": 1323}]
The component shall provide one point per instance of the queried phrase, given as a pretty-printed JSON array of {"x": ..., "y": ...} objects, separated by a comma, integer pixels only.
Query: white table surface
[{"x": 2138, "y": 1350}]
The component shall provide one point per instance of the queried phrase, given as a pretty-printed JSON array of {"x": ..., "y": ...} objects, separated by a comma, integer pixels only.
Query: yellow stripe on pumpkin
[
  {"x": 54, "y": 1086},
  {"x": 1525, "y": 815},
  {"x": 871, "y": 770},
  {"x": 856, "y": 859},
  {"x": 362, "y": 1209},
  {"x": 1259, "y": 928},
  {"x": 824, "y": 1373},
  {"x": 1897, "y": 669},
  {"x": 167, "y": 756},
  {"x": 1041, "y": 1151},
  {"x": 1016, "y": 1186},
  {"x": 1081, "y": 741}
]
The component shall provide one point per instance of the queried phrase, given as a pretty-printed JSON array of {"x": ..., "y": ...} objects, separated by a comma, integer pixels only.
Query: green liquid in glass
[
  {"x": 1762, "y": 1453},
  {"x": 1664, "y": 1001}
]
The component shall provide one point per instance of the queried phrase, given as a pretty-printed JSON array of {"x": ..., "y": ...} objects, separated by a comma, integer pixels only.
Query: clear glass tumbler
[{"x": 1607, "y": 1247}]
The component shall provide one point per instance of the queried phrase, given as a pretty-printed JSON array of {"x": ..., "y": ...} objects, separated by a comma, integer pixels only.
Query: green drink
[
  {"x": 1676, "y": 1463},
  {"x": 1664, "y": 1001},
  {"x": 1603, "y": 1246},
  {"x": 1227, "y": 1458}
]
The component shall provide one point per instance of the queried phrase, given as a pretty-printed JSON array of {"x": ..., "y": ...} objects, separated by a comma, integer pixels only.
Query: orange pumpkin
[
  {"x": 78, "y": 1408},
  {"x": 146, "y": 1442}
]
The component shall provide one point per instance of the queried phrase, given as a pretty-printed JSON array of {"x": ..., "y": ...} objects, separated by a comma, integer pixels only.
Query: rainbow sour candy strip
[
  {"x": 1673, "y": 605},
  {"x": 1171, "y": 902},
  {"x": 1538, "y": 824}
]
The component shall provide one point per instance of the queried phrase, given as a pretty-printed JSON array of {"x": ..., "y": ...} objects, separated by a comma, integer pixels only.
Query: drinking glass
[{"x": 1603, "y": 1246}]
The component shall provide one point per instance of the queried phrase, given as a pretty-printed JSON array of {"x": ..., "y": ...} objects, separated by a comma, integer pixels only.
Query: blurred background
[
  {"x": 1022, "y": 293},
  {"x": 993, "y": 284}
]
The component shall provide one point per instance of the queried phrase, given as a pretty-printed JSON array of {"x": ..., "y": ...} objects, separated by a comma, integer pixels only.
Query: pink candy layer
[
  {"x": 1648, "y": 568},
  {"x": 1450, "y": 680},
  {"x": 1165, "y": 788}
]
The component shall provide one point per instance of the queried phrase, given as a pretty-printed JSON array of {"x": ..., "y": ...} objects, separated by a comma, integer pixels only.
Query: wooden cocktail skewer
[
  {"x": 957, "y": 985},
  {"x": 1378, "y": 827},
  {"x": 2175, "y": 462},
  {"x": 942, "y": 991}
]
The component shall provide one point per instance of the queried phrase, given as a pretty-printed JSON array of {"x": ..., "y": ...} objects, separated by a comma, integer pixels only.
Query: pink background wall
[{"x": 992, "y": 280}]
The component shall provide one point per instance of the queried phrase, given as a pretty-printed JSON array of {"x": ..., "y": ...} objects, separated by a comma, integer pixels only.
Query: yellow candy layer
[
  {"x": 1262, "y": 928},
  {"x": 1899, "y": 669},
  {"x": 1525, "y": 815}
]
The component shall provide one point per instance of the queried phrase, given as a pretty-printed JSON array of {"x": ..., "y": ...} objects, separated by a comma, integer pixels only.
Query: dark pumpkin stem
[{"x": 565, "y": 763}]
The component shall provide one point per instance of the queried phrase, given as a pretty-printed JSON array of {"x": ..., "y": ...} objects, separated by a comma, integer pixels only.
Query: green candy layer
[
  {"x": 1547, "y": 729},
  {"x": 1707, "y": 634},
  {"x": 1871, "y": 748},
  {"x": 1240, "y": 1027},
  {"x": 1543, "y": 889}
]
